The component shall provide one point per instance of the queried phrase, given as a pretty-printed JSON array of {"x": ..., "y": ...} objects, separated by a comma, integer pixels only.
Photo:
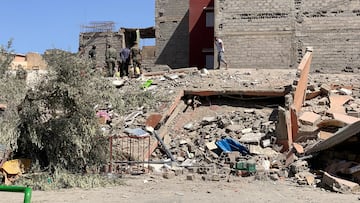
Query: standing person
[
  {"x": 220, "y": 49},
  {"x": 110, "y": 56},
  {"x": 92, "y": 56},
  {"x": 125, "y": 61},
  {"x": 135, "y": 55}
]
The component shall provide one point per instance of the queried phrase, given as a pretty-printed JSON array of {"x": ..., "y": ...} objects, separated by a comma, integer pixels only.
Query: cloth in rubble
[{"x": 230, "y": 145}]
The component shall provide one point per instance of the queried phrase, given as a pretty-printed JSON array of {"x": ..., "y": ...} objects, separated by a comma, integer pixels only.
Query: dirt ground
[{"x": 153, "y": 188}]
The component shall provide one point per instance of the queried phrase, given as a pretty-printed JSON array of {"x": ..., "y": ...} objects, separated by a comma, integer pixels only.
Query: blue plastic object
[{"x": 230, "y": 145}]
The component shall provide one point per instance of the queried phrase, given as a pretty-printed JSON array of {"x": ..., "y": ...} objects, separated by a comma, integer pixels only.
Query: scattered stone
[
  {"x": 211, "y": 145},
  {"x": 246, "y": 130},
  {"x": 323, "y": 101},
  {"x": 251, "y": 138},
  {"x": 299, "y": 166},
  {"x": 345, "y": 91},
  {"x": 190, "y": 177},
  {"x": 234, "y": 128},
  {"x": 169, "y": 175},
  {"x": 274, "y": 177},
  {"x": 309, "y": 118},
  {"x": 249, "y": 111},
  {"x": 215, "y": 177},
  {"x": 189, "y": 126}
]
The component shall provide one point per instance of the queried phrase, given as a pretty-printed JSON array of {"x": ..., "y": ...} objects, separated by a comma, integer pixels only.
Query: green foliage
[
  {"x": 57, "y": 125},
  {"x": 12, "y": 93},
  {"x": 6, "y": 58}
]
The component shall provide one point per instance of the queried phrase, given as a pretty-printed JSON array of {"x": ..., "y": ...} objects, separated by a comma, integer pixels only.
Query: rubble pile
[
  {"x": 196, "y": 145},
  {"x": 253, "y": 135}
]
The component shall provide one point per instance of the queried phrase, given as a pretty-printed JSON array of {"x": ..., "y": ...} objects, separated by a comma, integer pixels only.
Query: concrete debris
[
  {"x": 253, "y": 138},
  {"x": 283, "y": 138},
  {"x": 338, "y": 184}
]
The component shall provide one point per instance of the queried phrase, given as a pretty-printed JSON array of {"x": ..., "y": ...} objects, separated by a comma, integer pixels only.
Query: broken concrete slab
[
  {"x": 337, "y": 103},
  {"x": 339, "y": 137},
  {"x": 345, "y": 118},
  {"x": 338, "y": 184}
]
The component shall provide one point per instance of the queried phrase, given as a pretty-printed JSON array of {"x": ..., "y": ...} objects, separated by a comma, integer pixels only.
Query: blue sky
[{"x": 38, "y": 25}]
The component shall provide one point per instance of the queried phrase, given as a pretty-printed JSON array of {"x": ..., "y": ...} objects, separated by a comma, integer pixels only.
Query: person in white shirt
[{"x": 220, "y": 49}]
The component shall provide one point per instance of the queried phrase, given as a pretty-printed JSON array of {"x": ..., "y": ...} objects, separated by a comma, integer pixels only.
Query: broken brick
[
  {"x": 309, "y": 118},
  {"x": 298, "y": 148}
]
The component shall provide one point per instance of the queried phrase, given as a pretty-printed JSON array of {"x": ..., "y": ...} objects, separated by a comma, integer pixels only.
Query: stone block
[
  {"x": 234, "y": 128},
  {"x": 211, "y": 145},
  {"x": 190, "y": 177},
  {"x": 309, "y": 118},
  {"x": 168, "y": 175},
  {"x": 251, "y": 138}
]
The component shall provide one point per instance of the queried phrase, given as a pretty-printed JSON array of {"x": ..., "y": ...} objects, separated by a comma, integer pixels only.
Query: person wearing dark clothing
[
  {"x": 125, "y": 61},
  {"x": 92, "y": 56},
  {"x": 92, "y": 53}
]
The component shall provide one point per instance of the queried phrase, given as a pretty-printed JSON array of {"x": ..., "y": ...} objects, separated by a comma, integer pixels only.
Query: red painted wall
[{"x": 200, "y": 35}]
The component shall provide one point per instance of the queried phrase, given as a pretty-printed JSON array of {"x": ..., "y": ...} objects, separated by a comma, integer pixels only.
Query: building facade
[{"x": 260, "y": 33}]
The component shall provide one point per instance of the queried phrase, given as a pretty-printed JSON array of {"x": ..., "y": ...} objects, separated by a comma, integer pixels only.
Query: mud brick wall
[{"x": 172, "y": 32}]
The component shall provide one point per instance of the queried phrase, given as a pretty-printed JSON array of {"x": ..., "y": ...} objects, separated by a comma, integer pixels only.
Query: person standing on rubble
[
  {"x": 220, "y": 50},
  {"x": 110, "y": 56},
  {"x": 125, "y": 61},
  {"x": 92, "y": 56},
  {"x": 136, "y": 57}
]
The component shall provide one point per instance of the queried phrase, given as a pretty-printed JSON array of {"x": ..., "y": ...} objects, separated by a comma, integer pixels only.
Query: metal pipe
[{"x": 13, "y": 188}]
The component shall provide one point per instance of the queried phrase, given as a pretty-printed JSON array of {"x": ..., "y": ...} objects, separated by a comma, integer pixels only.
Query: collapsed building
[
  {"x": 103, "y": 33},
  {"x": 284, "y": 128},
  {"x": 272, "y": 131}
]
